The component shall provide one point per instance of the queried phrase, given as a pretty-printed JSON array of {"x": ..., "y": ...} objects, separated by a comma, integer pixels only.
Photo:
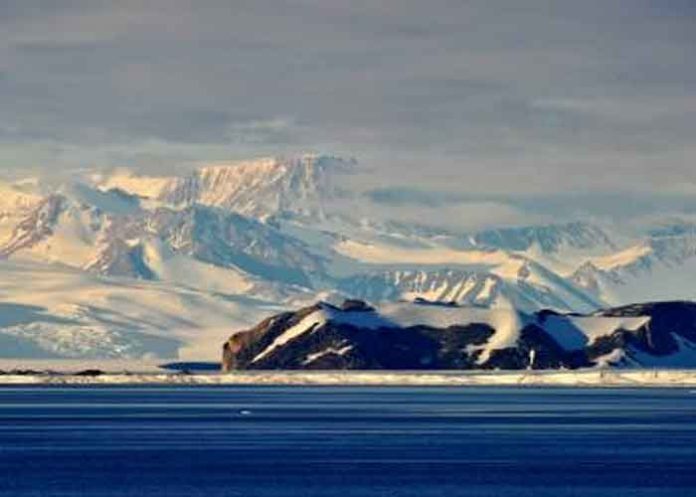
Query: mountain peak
[{"x": 260, "y": 188}]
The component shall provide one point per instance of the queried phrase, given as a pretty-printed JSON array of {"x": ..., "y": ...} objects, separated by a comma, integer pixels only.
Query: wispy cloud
[{"x": 632, "y": 109}]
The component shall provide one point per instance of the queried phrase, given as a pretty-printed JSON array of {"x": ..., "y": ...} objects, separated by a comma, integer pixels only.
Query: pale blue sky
[{"x": 474, "y": 97}]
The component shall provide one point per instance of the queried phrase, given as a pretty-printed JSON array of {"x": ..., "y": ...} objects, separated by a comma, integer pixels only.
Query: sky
[{"x": 463, "y": 97}]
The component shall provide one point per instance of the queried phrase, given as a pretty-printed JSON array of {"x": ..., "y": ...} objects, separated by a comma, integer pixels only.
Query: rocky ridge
[{"x": 424, "y": 335}]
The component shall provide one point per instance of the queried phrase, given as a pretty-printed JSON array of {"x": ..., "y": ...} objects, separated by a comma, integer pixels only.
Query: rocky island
[{"x": 424, "y": 335}]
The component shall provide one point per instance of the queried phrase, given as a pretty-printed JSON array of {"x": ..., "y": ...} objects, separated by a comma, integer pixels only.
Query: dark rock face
[
  {"x": 356, "y": 336},
  {"x": 90, "y": 372},
  {"x": 667, "y": 319},
  {"x": 356, "y": 305}
]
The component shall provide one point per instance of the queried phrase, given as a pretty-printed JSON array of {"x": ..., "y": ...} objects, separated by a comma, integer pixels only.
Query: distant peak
[{"x": 290, "y": 161}]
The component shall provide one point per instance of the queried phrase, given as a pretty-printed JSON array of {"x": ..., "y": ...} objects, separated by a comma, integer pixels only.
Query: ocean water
[{"x": 346, "y": 441}]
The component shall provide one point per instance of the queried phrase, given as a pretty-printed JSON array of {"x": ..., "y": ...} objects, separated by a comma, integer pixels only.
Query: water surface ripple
[{"x": 346, "y": 441}]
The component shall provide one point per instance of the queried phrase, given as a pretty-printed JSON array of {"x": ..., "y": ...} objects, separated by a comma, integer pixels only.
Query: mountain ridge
[{"x": 423, "y": 335}]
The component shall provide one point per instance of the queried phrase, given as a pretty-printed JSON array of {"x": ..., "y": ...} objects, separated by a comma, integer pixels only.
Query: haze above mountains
[{"x": 123, "y": 265}]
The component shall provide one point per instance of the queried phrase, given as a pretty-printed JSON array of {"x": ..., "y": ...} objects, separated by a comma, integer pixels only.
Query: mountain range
[{"x": 119, "y": 264}]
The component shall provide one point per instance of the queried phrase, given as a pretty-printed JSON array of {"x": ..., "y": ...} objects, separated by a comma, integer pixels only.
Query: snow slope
[{"x": 53, "y": 311}]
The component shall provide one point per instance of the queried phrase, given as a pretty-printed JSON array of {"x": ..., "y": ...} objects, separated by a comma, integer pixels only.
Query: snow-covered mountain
[
  {"x": 277, "y": 232},
  {"x": 549, "y": 239},
  {"x": 662, "y": 264},
  {"x": 528, "y": 286},
  {"x": 259, "y": 188}
]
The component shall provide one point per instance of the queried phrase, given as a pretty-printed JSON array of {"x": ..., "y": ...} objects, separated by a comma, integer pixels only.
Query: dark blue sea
[{"x": 346, "y": 441}]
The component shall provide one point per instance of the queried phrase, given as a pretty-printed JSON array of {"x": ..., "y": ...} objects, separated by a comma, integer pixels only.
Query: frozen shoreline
[{"x": 578, "y": 378}]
